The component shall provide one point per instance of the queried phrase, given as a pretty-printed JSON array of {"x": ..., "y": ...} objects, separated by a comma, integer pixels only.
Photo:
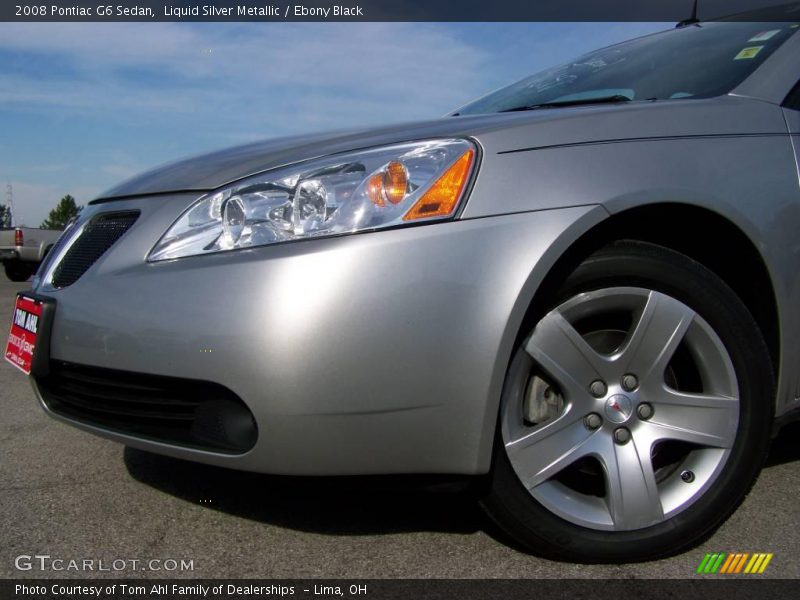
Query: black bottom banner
[{"x": 378, "y": 589}]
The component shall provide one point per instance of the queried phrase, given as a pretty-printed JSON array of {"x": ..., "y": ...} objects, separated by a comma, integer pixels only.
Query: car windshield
[{"x": 694, "y": 61}]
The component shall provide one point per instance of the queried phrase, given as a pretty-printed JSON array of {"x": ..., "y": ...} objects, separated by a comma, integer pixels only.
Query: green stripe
[
  {"x": 703, "y": 563},
  {"x": 719, "y": 562},
  {"x": 711, "y": 563}
]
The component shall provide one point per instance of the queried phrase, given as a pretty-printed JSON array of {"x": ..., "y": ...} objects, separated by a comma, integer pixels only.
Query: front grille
[
  {"x": 98, "y": 235},
  {"x": 186, "y": 412}
]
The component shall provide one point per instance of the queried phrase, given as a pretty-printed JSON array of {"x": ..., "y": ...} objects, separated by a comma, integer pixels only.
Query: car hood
[{"x": 496, "y": 133}]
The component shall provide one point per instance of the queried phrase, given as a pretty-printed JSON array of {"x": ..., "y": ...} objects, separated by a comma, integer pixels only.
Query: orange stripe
[
  {"x": 735, "y": 562},
  {"x": 741, "y": 562},
  {"x": 727, "y": 563}
]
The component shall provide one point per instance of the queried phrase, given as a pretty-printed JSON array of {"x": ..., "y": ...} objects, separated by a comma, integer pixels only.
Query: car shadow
[
  {"x": 329, "y": 505},
  {"x": 348, "y": 505}
]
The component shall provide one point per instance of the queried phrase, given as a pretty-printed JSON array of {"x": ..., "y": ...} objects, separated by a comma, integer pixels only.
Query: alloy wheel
[{"x": 629, "y": 412}]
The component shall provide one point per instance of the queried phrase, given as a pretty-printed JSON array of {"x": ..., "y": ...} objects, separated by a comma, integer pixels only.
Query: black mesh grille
[
  {"x": 98, "y": 236},
  {"x": 184, "y": 412}
]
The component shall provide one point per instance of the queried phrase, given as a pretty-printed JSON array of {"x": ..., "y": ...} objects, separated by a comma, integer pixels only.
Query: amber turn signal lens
[
  {"x": 391, "y": 185},
  {"x": 442, "y": 197},
  {"x": 375, "y": 190},
  {"x": 395, "y": 182}
]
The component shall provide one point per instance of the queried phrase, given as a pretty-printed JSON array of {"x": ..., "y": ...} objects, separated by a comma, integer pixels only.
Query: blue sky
[{"x": 86, "y": 105}]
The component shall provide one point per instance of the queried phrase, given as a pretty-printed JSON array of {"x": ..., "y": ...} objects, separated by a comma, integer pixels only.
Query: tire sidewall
[{"x": 17, "y": 271}]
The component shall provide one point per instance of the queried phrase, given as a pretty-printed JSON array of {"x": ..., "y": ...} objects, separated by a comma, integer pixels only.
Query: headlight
[{"x": 359, "y": 191}]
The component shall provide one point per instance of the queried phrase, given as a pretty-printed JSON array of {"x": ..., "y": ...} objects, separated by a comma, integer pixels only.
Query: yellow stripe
[
  {"x": 750, "y": 564},
  {"x": 761, "y": 558},
  {"x": 724, "y": 568},
  {"x": 741, "y": 562},
  {"x": 753, "y": 560},
  {"x": 766, "y": 562}
]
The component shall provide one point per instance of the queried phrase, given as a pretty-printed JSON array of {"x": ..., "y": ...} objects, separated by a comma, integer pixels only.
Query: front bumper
[{"x": 372, "y": 353}]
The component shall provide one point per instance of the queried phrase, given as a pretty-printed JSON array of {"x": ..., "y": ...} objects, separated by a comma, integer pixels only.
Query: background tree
[
  {"x": 61, "y": 214},
  {"x": 5, "y": 216}
]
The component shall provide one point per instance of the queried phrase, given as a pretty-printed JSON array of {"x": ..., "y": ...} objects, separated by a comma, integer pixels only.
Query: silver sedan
[{"x": 582, "y": 288}]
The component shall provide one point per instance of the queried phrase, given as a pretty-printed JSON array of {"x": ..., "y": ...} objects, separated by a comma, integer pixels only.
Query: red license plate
[{"x": 25, "y": 324}]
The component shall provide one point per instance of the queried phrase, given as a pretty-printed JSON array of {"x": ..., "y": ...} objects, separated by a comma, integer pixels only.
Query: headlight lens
[{"x": 346, "y": 193}]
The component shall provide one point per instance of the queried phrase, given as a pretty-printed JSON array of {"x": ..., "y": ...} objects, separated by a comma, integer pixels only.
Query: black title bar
[{"x": 391, "y": 10}]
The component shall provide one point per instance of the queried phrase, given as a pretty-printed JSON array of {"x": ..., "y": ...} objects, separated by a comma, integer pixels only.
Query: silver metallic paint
[
  {"x": 386, "y": 352},
  {"x": 381, "y": 362}
]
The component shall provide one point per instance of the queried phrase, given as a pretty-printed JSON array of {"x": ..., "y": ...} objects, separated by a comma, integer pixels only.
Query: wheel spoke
[
  {"x": 543, "y": 452},
  {"x": 674, "y": 397},
  {"x": 631, "y": 491},
  {"x": 565, "y": 356},
  {"x": 702, "y": 419},
  {"x": 657, "y": 334}
]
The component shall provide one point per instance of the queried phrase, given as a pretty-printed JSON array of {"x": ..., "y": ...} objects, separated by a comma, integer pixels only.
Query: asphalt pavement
[{"x": 74, "y": 497}]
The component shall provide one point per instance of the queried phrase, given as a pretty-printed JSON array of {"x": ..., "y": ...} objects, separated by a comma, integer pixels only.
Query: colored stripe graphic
[
  {"x": 718, "y": 563},
  {"x": 727, "y": 565},
  {"x": 764, "y": 564},
  {"x": 703, "y": 563},
  {"x": 757, "y": 564},
  {"x": 711, "y": 563},
  {"x": 741, "y": 562},
  {"x": 749, "y": 567},
  {"x": 734, "y": 563}
]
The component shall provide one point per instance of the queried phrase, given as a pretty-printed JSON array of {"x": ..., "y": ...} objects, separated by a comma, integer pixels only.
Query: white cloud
[
  {"x": 400, "y": 70},
  {"x": 146, "y": 93}
]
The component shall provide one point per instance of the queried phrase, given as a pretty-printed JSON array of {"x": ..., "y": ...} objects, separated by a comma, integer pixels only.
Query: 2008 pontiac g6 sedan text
[{"x": 582, "y": 287}]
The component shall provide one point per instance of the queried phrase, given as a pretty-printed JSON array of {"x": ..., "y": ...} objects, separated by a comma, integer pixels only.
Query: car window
[{"x": 696, "y": 61}]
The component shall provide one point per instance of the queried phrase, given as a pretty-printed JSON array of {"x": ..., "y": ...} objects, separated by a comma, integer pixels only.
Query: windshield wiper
[{"x": 575, "y": 102}]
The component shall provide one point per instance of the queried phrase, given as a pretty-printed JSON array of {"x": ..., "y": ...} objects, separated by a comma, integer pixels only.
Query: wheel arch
[
  {"x": 680, "y": 227},
  {"x": 684, "y": 228}
]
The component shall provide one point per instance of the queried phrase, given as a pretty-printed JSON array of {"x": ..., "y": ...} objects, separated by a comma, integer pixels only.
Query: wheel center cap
[{"x": 618, "y": 408}]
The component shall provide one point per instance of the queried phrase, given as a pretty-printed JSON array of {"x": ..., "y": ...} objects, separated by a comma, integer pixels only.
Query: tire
[
  {"x": 620, "y": 468},
  {"x": 18, "y": 271}
]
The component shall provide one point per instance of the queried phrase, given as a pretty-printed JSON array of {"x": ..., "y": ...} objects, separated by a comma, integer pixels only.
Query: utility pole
[{"x": 10, "y": 203}]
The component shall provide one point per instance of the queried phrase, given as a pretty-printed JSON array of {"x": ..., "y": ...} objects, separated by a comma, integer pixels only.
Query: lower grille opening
[{"x": 184, "y": 412}]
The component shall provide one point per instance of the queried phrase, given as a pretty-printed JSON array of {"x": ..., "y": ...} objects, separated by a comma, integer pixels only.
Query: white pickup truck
[{"x": 23, "y": 248}]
